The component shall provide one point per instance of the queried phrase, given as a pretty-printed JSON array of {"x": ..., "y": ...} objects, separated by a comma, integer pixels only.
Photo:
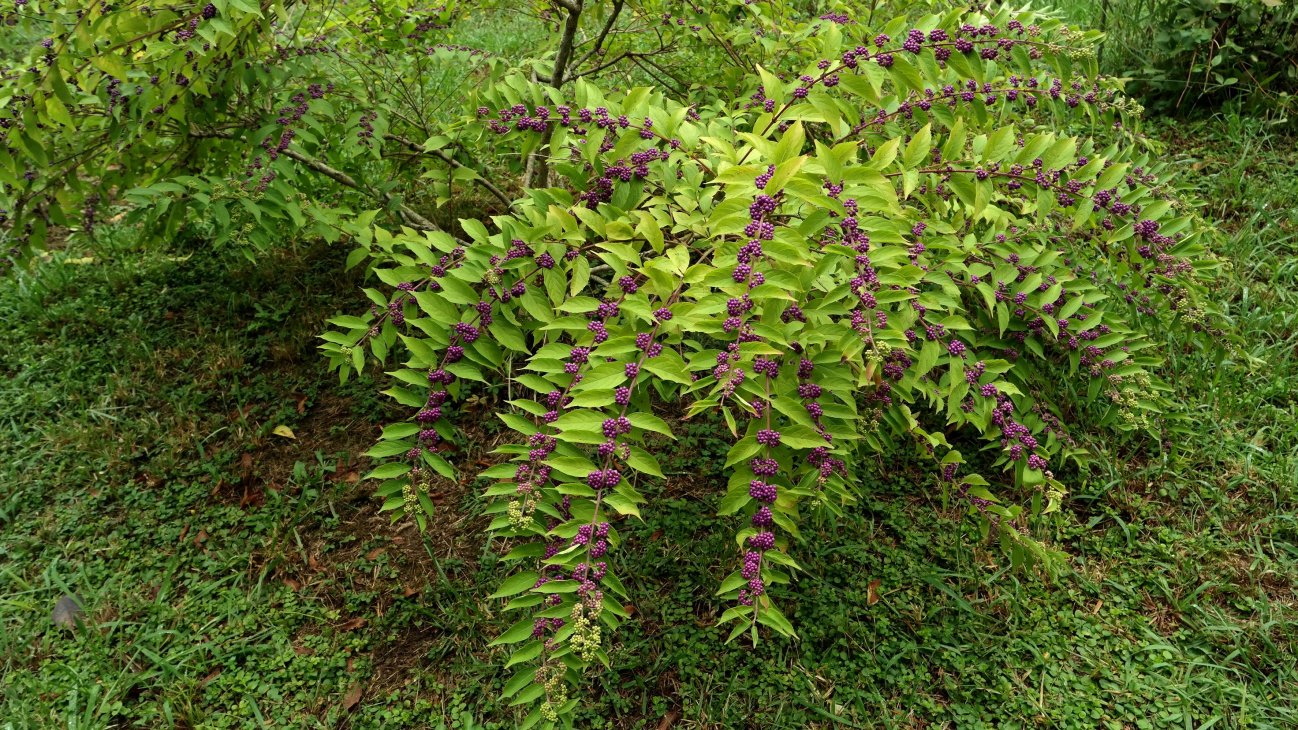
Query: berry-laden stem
[{"x": 766, "y": 387}]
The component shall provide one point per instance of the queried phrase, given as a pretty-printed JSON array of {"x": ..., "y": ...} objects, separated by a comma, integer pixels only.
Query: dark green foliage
[{"x": 1190, "y": 56}]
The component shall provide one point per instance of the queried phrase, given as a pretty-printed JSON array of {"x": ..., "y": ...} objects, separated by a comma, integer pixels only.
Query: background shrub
[{"x": 1191, "y": 55}]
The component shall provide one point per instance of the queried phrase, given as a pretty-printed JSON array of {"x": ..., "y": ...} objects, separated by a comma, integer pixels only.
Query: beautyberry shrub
[
  {"x": 835, "y": 234},
  {"x": 886, "y": 239}
]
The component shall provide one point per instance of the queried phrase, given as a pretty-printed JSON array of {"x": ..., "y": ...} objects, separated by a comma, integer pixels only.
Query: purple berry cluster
[
  {"x": 190, "y": 28},
  {"x": 809, "y": 392},
  {"x": 1015, "y": 436},
  {"x": 274, "y": 146},
  {"x": 838, "y": 18}
]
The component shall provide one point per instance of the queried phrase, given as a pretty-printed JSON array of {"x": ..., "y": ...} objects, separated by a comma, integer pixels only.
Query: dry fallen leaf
[
  {"x": 872, "y": 592},
  {"x": 252, "y": 498},
  {"x": 352, "y": 697},
  {"x": 285, "y": 431},
  {"x": 352, "y": 624}
]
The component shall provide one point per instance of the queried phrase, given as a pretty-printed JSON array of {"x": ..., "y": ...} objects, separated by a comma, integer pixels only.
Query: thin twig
[
  {"x": 449, "y": 159},
  {"x": 411, "y": 215},
  {"x": 603, "y": 34}
]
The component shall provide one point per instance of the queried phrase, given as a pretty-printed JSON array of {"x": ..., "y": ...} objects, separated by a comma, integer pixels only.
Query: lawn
[{"x": 176, "y": 456}]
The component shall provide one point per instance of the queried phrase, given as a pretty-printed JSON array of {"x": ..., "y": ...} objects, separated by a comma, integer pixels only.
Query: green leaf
[
  {"x": 650, "y": 422},
  {"x": 384, "y": 449},
  {"x": 666, "y": 372},
  {"x": 524, "y": 677},
  {"x": 885, "y": 154},
  {"x": 801, "y": 437},
  {"x": 592, "y": 399},
  {"x": 518, "y": 423},
  {"x": 734, "y": 613},
  {"x": 790, "y": 145},
  {"x": 650, "y": 230},
  {"x": 475, "y": 229},
  {"x": 437, "y": 307},
  {"x": 57, "y": 112},
  {"x": 508, "y": 335},
  {"x": 783, "y": 172},
  {"x": 580, "y": 276},
  {"x": 389, "y": 470},
  {"x": 928, "y": 356},
  {"x": 643, "y": 461},
  {"x": 741, "y": 450},
  {"x": 906, "y": 74},
  {"x": 514, "y": 634},
  {"x": 917, "y": 150},
  {"x": 621, "y": 504},
  {"x": 457, "y": 292},
  {"x": 771, "y": 616},
  {"x": 527, "y": 652},
  {"x": 732, "y": 582},
  {"x": 516, "y": 584},
  {"x": 530, "y": 694},
  {"x": 734, "y": 501},
  {"x": 577, "y": 466},
  {"x": 400, "y": 430}
]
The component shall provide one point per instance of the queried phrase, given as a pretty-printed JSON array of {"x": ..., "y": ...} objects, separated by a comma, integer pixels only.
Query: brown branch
[
  {"x": 538, "y": 168},
  {"x": 633, "y": 55},
  {"x": 411, "y": 215},
  {"x": 725, "y": 45},
  {"x": 606, "y": 64},
  {"x": 449, "y": 159},
  {"x": 570, "y": 27},
  {"x": 127, "y": 43},
  {"x": 603, "y": 34},
  {"x": 666, "y": 79}
]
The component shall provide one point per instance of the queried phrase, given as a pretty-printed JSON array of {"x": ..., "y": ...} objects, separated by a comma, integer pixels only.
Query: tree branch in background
[
  {"x": 410, "y": 215},
  {"x": 449, "y": 159},
  {"x": 730, "y": 51},
  {"x": 665, "y": 79},
  {"x": 570, "y": 27},
  {"x": 538, "y": 165},
  {"x": 603, "y": 34}
]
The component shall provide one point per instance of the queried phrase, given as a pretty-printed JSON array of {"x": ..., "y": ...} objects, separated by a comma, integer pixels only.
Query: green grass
[{"x": 235, "y": 578}]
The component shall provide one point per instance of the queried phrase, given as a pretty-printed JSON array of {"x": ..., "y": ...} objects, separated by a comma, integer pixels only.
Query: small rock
[{"x": 67, "y": 611}]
